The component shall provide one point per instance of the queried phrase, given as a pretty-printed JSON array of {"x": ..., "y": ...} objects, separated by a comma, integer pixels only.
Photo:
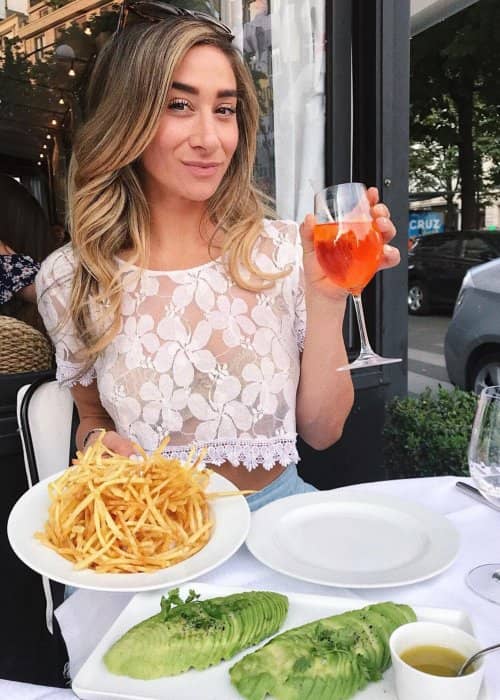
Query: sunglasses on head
[{"x": 156, "y": 11}]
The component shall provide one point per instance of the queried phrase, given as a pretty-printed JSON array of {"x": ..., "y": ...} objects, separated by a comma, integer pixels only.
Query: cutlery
[
  {"x": 476, "y": 494},
  {"x": 475, "y": 656}
]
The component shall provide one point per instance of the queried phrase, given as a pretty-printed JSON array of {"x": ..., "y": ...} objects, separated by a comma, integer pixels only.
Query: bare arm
[
  {"x": 28, "y": 293},
  {"x": 325, "y": 396},
  {"x": 92, "y": 414}
]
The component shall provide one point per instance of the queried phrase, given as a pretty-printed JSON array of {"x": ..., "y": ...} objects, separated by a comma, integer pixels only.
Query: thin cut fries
[{"x": 114, "y": 514}]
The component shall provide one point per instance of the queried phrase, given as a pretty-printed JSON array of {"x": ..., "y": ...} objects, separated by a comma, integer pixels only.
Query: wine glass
[
  {"x": 484, "y": 467},
  {"x": 349, "y": 248}
]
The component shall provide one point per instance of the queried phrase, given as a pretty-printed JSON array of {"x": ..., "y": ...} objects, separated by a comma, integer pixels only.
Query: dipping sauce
[{"x": 436, "y": 660}]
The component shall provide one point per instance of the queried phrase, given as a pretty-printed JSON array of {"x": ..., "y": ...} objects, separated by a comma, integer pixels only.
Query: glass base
[
  {"x": 369, "y": 360},
  {"x": 485, "y": 581}
]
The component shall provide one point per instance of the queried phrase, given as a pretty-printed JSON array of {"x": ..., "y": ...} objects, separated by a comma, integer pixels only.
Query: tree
[{"x": 455, "y": 97}]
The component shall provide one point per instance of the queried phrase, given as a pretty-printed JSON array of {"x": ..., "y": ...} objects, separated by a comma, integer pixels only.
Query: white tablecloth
[{"x": 86, "y": 615}]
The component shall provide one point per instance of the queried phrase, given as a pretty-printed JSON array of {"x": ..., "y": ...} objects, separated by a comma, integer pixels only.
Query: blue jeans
[{"x": 288, "y": 483}]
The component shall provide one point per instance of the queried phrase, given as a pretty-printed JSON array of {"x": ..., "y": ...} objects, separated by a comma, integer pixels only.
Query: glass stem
[{"x": 365, "y": 347}]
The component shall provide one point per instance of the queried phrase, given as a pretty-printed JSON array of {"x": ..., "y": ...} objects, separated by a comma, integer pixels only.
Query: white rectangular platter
[{"x": 94, "y": 682}]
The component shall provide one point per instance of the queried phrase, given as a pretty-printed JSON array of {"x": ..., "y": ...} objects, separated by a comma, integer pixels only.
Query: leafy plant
[{"x": 428, "y": 435}]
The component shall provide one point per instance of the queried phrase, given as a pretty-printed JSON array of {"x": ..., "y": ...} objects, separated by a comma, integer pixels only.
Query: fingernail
[
  {"x": 136, "y": 458},
  {"x": 388, "y": 249},
  {"x": 383, "y": 220}
]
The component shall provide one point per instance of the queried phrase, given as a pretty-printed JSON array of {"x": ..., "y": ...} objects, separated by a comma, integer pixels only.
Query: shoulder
[
  {"x": 58, "y": 268},
  {"x": 281, "y": 230},
  {"x": 280, "y": 240}
]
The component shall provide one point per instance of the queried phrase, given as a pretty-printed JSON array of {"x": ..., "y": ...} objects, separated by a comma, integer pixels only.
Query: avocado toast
[{"x": 195, "y": 633}]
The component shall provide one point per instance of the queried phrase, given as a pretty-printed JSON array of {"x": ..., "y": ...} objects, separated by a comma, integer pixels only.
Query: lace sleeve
[
  {"x": 53, "y": 289},
  {"x": 300, "y": 300}
]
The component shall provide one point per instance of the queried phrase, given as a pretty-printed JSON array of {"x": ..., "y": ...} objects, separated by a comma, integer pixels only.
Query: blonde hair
[{"x": 108, "y": 211}]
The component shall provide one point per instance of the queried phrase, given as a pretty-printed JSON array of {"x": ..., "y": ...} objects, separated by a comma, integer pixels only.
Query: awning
[{"x": 425, "y": 13}]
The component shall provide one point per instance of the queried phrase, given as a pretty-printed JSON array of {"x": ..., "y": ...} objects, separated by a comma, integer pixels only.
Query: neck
[
  {"x": 179, "y": 233},
  {"x": 175, "y": 219}
]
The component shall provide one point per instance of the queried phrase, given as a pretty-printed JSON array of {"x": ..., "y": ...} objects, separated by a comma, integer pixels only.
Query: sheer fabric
[{"x": 197, "y": 357}]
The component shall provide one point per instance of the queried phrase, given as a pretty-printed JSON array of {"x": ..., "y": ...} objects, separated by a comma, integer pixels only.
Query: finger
[
  {"x": 390, "y": 257},
  {"x": 373, "y": 197},
  {"x": 380, "y": 209},
  {"x": 386, "y": 228},
  {"x": 306, "y": 233},
  {"x": 119, "y": 444}
]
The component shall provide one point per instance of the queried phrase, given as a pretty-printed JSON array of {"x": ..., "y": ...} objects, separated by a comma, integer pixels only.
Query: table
[{"x": 86, "y": 615}]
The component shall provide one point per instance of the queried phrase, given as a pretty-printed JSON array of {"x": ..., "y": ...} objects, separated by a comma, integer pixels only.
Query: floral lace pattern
[{"x": 196, "y": 356}]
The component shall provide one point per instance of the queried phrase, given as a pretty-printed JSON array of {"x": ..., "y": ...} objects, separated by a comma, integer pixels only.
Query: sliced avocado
[
  {"x": 332, "y": 658},
  {"x": 197, "y": 634}
]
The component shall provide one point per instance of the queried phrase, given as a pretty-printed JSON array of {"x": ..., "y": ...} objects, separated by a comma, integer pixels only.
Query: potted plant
[{"x": 428, "y": 435}]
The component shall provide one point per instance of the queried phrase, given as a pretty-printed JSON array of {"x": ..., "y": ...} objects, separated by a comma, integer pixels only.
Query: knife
[{"x": 476, "y": 494}]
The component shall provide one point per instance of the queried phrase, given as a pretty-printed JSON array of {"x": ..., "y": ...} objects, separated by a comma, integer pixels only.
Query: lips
[{"x": 202, "y": 168}]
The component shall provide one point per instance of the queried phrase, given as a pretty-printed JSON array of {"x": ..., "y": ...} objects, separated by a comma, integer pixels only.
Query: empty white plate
[{"x": 352, "y": 540}]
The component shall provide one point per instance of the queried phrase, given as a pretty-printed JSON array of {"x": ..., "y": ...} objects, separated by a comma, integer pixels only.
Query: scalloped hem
[
  {"x": 249, "y": 454},
  {"x": 69, "y": 374}
]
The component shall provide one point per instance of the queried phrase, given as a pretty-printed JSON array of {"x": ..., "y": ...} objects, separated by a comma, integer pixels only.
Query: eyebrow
[{"x": 194, "y": 91}]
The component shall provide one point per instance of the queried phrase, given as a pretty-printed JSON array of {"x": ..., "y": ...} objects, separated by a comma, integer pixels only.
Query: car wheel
[
  {"x": 418, "y": 299},
  {"x": 486, "y": 372}
]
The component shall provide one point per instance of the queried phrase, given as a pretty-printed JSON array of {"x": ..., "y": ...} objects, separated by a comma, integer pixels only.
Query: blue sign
[{"x": 422, "y": 222}]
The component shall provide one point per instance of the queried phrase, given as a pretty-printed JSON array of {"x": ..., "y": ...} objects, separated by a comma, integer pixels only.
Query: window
[
  {"x": 478, "y": 248},
  {"x": 39, "y": 46},
  {"x": 447, "y": 246}
]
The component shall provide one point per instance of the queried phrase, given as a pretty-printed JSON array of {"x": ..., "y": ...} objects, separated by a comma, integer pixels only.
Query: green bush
[{"x": 428, "y": 435}]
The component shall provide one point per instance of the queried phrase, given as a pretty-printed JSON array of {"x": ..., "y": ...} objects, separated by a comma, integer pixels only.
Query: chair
[
  {"x": 47, "y": 419},
  {"x": 23, "y": 348}
]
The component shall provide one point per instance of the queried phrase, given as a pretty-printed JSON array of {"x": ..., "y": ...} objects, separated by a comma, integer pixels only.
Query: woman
[
  {"x": 180, "y": 309},
  {"x": 24, "y": 242}
]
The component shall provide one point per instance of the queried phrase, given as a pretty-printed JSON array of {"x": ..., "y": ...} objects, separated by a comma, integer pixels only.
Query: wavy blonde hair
[{"x": 108, "y": 211}]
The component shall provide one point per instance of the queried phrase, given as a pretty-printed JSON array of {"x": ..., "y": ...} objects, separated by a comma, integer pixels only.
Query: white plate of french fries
[{"x": 114, "y": 524}]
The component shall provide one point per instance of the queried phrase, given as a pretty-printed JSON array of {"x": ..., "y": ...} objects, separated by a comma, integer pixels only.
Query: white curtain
[
  {"x": 298, "y": 57},
  {"x": 289, "y": 44}
]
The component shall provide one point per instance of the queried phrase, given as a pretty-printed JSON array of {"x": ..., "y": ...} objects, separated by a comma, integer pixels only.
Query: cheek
[
  {"x": 231, "y": 142},
  {"x": 158, "y": 151}
]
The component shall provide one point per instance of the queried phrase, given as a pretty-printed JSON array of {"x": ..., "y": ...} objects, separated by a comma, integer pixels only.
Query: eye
[
  {"x": 178, "y": 104},
  {"x": 226, "y": 111}
]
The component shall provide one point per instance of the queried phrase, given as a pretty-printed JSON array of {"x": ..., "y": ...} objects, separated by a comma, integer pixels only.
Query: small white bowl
[{"x": 412, "y": 684}]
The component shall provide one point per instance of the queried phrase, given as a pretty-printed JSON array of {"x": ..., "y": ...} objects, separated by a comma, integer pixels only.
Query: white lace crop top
[{"x": 197, "y": 357}]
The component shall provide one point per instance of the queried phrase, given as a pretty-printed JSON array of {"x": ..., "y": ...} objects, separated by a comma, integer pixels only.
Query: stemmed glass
[
  {"x": 349, "y": 248},
  {"x": 484, "y": 467}
]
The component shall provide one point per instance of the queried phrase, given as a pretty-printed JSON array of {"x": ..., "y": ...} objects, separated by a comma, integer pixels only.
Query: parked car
[
  {"x": 472, "y": 341},
  {"x": 438, "y": 262}
]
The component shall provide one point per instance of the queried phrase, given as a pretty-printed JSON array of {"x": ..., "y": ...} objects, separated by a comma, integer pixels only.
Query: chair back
[
  {"x": 23, "y": 348},
  {"x": 45, "y": 419}
]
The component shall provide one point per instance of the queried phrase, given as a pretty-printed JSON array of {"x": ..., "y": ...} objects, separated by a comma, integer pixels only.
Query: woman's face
[{"x": 198, "y": 132}]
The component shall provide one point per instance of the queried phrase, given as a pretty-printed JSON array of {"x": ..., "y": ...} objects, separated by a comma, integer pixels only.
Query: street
[{"x": 426, "y": 365}]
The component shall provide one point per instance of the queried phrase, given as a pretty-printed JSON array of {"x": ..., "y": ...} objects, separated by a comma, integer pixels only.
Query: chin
[{"x": 199, "y": 194}]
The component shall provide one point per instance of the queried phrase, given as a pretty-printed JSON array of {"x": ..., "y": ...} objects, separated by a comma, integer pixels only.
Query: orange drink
[{"x": 349, "y": 252}]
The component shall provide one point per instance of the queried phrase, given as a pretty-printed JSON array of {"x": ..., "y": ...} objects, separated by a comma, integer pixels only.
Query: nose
[{"x": 204, "y": 134}]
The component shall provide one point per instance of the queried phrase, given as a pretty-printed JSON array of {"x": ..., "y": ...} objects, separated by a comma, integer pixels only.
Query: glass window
[
  {"x": 446, "y": 247},
  {"x": 479, "y": 248},
  {"x": 39, "y": 46}
]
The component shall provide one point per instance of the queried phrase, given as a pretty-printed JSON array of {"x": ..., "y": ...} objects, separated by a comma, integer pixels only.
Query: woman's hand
[
  {"x": 114, "y": 442},
  {"x": 313, "y": 271},
  {"x": 382, "y": 217}
]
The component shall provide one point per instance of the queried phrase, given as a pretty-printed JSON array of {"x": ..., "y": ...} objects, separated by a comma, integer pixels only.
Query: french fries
[{"x": 115, "y": 515}]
